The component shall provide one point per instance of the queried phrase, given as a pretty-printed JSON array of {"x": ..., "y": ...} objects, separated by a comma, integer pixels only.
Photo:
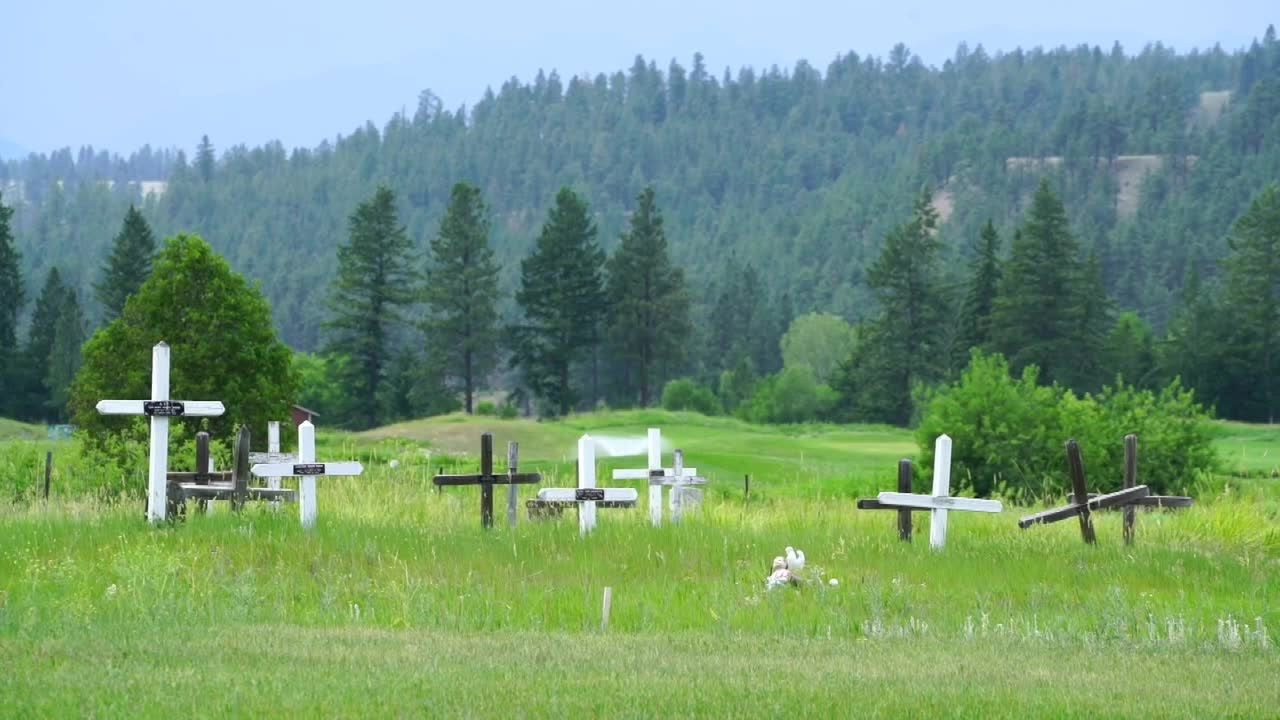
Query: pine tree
[
  {"x": 40, "y": 338},
  {"x": 1251, "y": 300},
  {"x": 205, "y": 160},
  {"x": 980, "y": 296},
  {"x": 902, "y": 346},
  {"x": 12, "y": 296},
  {"x": 127, "y": 266},
  {"x": 462, "y": 292},
  {"x": 563, "y": 299},
  {"x": 64, "y": 357},
  {"x": 1038, "y": 316},
  {"x": 376, "y": 282},
  {"x": 648, "y": 305}
]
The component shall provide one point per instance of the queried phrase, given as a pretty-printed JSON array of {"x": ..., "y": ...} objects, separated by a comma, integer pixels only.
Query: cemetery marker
[
  {"x": 306, "y": 469},
  {"x": 159, "y": 408},
  {"x": 487, "y": 479},
  {"x": 659, "y": 476},
  {"x": 1082, "y": 505},
  {"x": 904, "y": 513},
  {"x": 940, "y": 502}
]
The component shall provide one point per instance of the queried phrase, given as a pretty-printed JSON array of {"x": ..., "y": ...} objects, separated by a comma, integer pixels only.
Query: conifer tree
[
  {"x": 1251, "y": 300},
  {"x": 127, "y": 266},
  {"x": 563, "y": 299},
  {"x": 205, "y": 159},
  {"x": 1040, "y": 312},
  {"x": 648, "y": 305},
  {"x": 40, "y": 338},
  {"x": 64, "y": 357},
  {"x": 376, "y": 282},
  {"x": 980, "y": 296},
  {"x": 462, "y": 292},
  {"x": 12, "y": 296}
]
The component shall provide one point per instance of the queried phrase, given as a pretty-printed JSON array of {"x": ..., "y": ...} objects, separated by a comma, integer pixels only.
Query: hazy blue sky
[{"x": 122, "y": 73}]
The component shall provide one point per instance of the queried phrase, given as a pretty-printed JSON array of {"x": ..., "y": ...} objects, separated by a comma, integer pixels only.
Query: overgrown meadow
[{"x": 398, "y": 603}]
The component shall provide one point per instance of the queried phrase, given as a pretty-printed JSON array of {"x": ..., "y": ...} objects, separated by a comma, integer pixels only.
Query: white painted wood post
[
  {"x": 273, "y": 446},
  {"x": 157, "y": 479},
  {"x": 307, "y": 483},
  {"x": 586, "y": 479},
  {"x": 941, "y": 488},
  {"x": 655, "y": 488}
]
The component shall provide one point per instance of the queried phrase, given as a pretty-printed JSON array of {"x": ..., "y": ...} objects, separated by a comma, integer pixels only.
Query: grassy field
[{"x": 398, "y": 604}]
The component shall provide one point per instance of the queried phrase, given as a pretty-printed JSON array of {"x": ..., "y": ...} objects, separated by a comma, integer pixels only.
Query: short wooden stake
[
  {"x": 513, "y": 491},
  {"x": 746, "y": 487},
  {"x": 1075, "y": 465},
  {"x": 904, "y": 486},
  {"x": 1130, "y": 480},
  {"x": 608, "y": 608},
  {"x": 48, "y": 472}
]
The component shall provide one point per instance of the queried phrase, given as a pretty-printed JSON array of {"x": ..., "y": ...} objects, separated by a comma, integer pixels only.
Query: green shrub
[
  {"x": 486, "y": 408},
  {"x": 508, "y": 410},
  {"x": 1009, "y": 434},
  {"x": 685, "y": 394},
  {"x": 791, "y": 396}
]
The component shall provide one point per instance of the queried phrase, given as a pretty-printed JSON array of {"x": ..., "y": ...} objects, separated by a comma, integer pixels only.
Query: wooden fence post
[
  {"x": 48, "y": 472},
  {"x": 1075, "y": 465},
  {"x": 1130, "y": 479},
  {"x": 904, "y": 486},
  {"x": 513, "y": 491}
]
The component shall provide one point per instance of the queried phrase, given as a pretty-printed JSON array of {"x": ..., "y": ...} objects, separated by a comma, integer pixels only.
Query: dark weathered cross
[
  {"x": 1082, "y": 506},
  {"x": 904, "y": 513},
  {"x": 1167, "y": 502},
  {"x": 487, "y": 479},
  {"x": 204, "y": 485}
]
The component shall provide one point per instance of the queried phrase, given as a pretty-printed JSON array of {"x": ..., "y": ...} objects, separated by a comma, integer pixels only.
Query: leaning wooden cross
[
  {"x": 160, "y": 408},
  {"x": 1163, "y": 502},
  {"x": 307, "y": 470},
  {"x": 1082, "y": 506},
  {"x": 205, "y": 485},
  {"x": 487, "y": 479},
  {"x": 904, "y": 513},
  {"x": 659, "y": 477},
  {"x": 586, "y": 497},
  {"x": 940, "y": 502}
]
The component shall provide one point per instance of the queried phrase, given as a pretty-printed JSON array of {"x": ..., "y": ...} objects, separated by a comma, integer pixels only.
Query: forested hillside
[{"x": 778, "y": 186}]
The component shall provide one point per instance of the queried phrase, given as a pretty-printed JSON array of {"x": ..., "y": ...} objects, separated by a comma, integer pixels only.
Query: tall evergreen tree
[
  {"x": 205, "y": 159},
  {"x": 462, "y": 292},
  {"x": 563, "y": 299},
  {"x": 12, "y": 296},
  {"x": 376, "y": 282},
  {"x": 1038, "y": 316},
  {"x": 40, "y": 338},
  {"x": 980, "y": 296},
  {"x": 1252, "y": 301},
  {"x": 901, "y": 347},
  {"x": 64, "y": 357},
  {"x": 127, "y": 266},
  {"x": 648, "y": 305}
]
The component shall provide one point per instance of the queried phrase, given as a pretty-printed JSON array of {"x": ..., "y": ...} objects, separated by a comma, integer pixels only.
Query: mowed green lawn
[{"x": 398, "y": 604}]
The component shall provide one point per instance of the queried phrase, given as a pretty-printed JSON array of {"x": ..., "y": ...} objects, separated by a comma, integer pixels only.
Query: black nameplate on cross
[
  {"x": 487, "y": 479},
  {"x": 309, "y": 469},
  {"x": 163, "y": 408}
]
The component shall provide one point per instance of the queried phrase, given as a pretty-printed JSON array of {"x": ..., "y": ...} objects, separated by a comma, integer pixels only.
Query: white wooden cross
[
  {"x": 658, "y": 476},
  {"x": 160, "y": 408},
  {"x": 307, "y": 470},
  {"x": 681, "y": 485},
  {"x": 940, "y": 501}
]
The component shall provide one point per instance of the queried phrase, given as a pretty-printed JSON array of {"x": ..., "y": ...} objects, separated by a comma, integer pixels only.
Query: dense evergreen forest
[{"x": 781, "y": 192}]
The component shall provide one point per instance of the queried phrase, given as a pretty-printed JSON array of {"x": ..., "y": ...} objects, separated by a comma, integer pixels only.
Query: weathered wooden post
[
  {"x": 1130, "y": 480},
  {"x": 1075, "y": 467},
  {"x": 159, "y": 408},
  {"x": 48, "y": 472},
  {"x": 904, "y": 514},
  {"x": 513, "y": 489}
]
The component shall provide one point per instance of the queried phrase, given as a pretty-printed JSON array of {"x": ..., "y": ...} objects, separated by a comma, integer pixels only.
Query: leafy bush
[
  {"x": 791, "y": 396},
  {"x": 486, "y": 408},
  {"x": 1009, "y": 433},
  {"x": 685, "y": 394}
]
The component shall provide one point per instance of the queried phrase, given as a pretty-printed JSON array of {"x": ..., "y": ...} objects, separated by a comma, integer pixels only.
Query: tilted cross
[
  {"x": 487, "y": 479},
  {"x": 658, "y": 476},
  {"x": 204, "y": 485},
  {"x": 306, "y": 469},
  {"x": 1082, "y": 506},
  {"x": 940, "y": 502},
  {"x": 160, "y": 408}
]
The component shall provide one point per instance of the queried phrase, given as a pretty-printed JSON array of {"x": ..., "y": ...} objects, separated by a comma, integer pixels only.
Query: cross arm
[
  {"x": 1101, "y": 502},
  {"x": 866, "y": 504},
  {"x": 496, "y": 479},
  {"x": 194, "y": 408},
  {"x": 942, "y": 502}
]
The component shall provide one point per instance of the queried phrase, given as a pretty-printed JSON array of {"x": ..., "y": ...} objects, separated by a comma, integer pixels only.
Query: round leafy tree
[{"x": 224, "y": 347}]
